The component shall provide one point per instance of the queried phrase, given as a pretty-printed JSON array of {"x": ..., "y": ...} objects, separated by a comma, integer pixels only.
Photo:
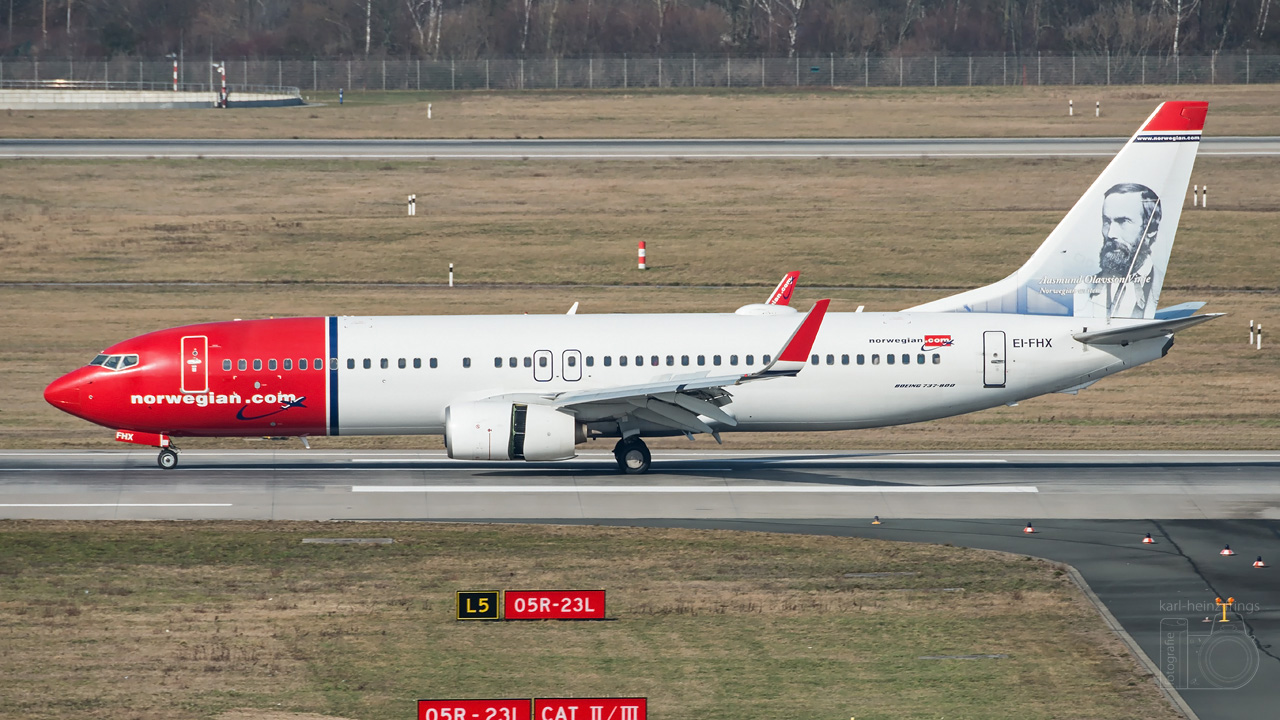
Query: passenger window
[
  {"x": 702, "y": 360},
  {"x": 591, "y": 361},
  {"x": 875, "y": 359},
  {"x": 368, "y": 363},
  {"x": 640, "y": 360},
  {"x": 920, "y": 359},
  {"x": 751, "y": 359},
  {"x": 813, "y": 359},
  {"x": 288, "y": 363},
  {"x": 622, "y": 361},
  {"x": 513, "y": 362},
  {"x": 573, "y": 361},
  {"x": 402, "y": 363},
  {"x": 528, "y": 362},
  {"x": 844, "y": 359},
  {"x": 271, "y": 364},
  {"x": 671, "y": 360},
  {"x": 111, "y": 362},
  {"x": 466, "y": 362},
  {"x": 351, "y": 363},
  {"x": 733, "y": 359},
  {"x": 383, "y": 363},
  {"x": 653, "y": 359},
  {"x": 937, "y": 359},
  {"x": 608, "y": 360},
  {"x": 417, "y": 363},
  {"x": 862, "y": 359},
  {"x": 433, "y": 363},
  {"x": 302, "y": 364},
  {"x": 906, "y": 359},
  {"x": 257, "y": 364},
  {"x": 242, "y": 365},
  {"x": 764, "y": 359},
  {"x": 542, "y": 361},
  {"x": 226, "y": 366},
  {"x": 715, "y": 360},
  {"x": 497, "y": 362},
  {"x": 889, "y": 358},
  {"x": 333, "y": 364},
  {"x": 684, "y": 360},
  {"x": 831, "y": 359}
]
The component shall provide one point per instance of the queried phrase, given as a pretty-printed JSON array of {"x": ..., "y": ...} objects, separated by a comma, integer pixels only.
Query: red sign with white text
[
  {"x": 590, "y": 708},
  {"x": 473, "y": 710},
  {"x": 553, "y": 605}
]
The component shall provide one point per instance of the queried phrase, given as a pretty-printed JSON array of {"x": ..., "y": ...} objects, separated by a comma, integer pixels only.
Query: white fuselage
[{"x": 943, "y": 364}]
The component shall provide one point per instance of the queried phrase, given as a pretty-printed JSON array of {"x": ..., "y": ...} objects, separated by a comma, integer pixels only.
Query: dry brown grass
[
  {"x": 238, "y": 620},
  {"x": 875, "y": 112}
]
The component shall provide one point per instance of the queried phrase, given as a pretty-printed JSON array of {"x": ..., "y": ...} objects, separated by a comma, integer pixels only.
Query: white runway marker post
[
  {"x": 642, "y": 255},
  {"x": 1097, "y": 109},
  {"x": 428, "y": 111},
  {"x": 450, "y": 274},
  {"x": 1250, "y": 333},
  {"x": 413, "y": 205},
  {"x": 1071, "y": 108},
  {"x": 1195, "y": 196},
  {"x": 1204, "y": 200},
  {"x": 1259, "y": 336}
]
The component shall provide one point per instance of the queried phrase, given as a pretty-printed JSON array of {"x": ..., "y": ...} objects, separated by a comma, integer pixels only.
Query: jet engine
[{"x": 493, "y": 430}]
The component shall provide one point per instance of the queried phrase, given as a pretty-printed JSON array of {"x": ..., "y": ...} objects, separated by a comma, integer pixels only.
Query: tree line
[{"x": 470, "y": 29}]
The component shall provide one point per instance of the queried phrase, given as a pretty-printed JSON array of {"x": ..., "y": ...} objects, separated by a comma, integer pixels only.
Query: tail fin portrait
[{"x": 1107, "y": 258}]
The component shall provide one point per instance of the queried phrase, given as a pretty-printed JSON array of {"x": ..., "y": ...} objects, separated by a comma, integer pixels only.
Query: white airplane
[{"x": 533, "y": 387}]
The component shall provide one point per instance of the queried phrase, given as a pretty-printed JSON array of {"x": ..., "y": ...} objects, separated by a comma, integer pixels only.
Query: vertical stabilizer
[{"x": 1107, "y": 257}]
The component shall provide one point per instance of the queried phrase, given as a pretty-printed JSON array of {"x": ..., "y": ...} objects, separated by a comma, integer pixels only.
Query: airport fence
[{"x": 662, "y": 72}]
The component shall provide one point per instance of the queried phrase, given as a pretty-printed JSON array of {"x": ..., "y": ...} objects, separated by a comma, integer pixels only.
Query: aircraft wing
[
  {"x": 678, "y": 402},
  {"x": 1142, "y": 331}
]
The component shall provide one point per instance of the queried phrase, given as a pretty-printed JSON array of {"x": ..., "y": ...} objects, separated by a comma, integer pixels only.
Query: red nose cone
[{"x": 64, "y": 393}]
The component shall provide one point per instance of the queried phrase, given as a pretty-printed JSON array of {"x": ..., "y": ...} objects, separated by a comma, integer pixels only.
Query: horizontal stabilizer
[
  {"x": 1142, "y": 331},
  {"x": 1186, "y": 309}
]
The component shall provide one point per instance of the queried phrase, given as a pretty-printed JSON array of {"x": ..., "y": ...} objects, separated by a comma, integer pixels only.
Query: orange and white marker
[
  {"x": 1148, "y": 540},
  {"x": 1258, "y": 563},
  {"x": 642, "y": 255},
  {"x": 1028, "y": 529},
  {"x": 876, "y": 521},
  {"x": 1226, "y": 550}
]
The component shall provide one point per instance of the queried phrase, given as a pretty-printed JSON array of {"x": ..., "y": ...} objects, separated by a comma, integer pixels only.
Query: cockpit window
[{"x": 115, "y": 362}]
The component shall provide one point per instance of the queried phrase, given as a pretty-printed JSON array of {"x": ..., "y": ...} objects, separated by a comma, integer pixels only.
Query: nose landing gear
[
  {"x": 632, "y": 455},
  {"x": 167, "y": 459}
]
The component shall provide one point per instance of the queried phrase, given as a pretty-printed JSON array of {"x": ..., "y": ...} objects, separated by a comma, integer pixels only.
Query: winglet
[
  {"x": 795, "y": 352},
  {"x": 781, "y": 295}
]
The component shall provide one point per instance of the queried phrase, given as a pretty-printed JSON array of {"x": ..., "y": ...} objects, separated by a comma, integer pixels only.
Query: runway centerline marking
[{"x": 715, "y": 489}]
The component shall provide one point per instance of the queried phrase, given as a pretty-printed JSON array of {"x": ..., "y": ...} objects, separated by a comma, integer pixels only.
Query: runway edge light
[
  {"x": 1148, "y": 540},
  {"x": 1258, "y": 563},
  {"x": 1226, "y": 550},
  {"x": 876, "y": 521},
  {"x": 1028, "y": 529}
]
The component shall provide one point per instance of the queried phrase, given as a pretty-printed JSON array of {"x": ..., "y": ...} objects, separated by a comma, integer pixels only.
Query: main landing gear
[
  {"x": 168, "y": 458},
  {"x": 632, "y": 455}
]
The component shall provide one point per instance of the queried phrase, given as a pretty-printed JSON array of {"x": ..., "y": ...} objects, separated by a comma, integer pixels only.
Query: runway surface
[
  {"x": 376, "y": 485},
  {"x": 606, "y": 148},
  {"x": 1081, "y": 505}
]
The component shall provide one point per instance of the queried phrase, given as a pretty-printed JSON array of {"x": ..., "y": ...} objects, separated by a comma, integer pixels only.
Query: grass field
[
  {"x": 240, "y": 620},
  {"x": 843, "y": 112}
]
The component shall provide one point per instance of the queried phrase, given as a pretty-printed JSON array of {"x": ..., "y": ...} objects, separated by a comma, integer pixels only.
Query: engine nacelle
[{"x": 492, "y": 430}]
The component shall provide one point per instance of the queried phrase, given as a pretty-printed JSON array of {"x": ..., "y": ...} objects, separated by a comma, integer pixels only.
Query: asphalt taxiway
[{"x": 1090, "y": 510}]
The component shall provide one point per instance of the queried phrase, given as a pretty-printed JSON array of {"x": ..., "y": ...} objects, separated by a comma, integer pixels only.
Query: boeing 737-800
[{"x": 533, "y": 387}]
